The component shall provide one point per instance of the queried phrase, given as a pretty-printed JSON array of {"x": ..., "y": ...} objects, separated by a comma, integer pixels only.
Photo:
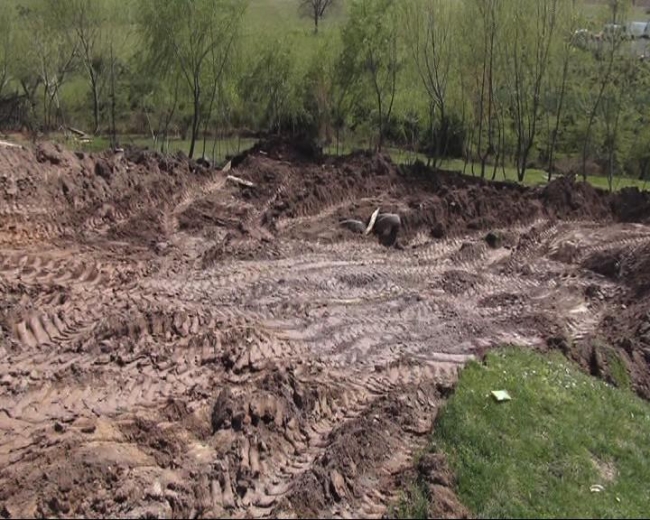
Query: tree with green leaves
[
  {"x": 269, "y": 84},
  {"x": 482, "y": 27},
  {"x": 562, "y": 57},
  {"x": 7, "y": 50},
  {"x": 49, "y": 59},
  {"x": 371, "y": 55},
  {"x": 603, "y": 73},
  {"x": 531, "y": 29},
  {"x": 196, "y": 38},
  {"x": 85, "y": 23},
  {"x": 616, "y": 117},
  {"x": 429, "y": 30}
]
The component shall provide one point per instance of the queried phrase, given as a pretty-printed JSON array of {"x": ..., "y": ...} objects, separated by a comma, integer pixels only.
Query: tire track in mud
[{"x": 316, "y": 351}]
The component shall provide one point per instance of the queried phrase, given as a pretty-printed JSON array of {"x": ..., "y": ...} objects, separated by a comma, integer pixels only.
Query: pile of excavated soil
[
  {"x": 53, "y": 192},
  {"x": 436, "y": 202},
  {"x": 62, "y": 193}
]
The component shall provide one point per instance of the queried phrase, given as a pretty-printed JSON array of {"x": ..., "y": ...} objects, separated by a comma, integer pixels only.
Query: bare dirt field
[{"x": 175, "y": 344}]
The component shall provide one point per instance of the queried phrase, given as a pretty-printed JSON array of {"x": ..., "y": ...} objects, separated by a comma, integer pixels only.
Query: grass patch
[
  {"x": 540, "y": 177},
  {"x": 222, "y": 148},
  {"x": 414, "y": 503},
  {"x": 615, "y": 367},
  {"x": 618, "y": 370},
  {"x": 538, "y": 455}
]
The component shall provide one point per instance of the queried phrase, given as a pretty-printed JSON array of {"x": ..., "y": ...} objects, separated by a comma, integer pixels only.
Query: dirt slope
[{"x": 174, "y": 344}]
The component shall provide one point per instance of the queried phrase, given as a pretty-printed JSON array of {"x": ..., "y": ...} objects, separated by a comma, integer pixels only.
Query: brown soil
[{"x": 175, "y": 344}]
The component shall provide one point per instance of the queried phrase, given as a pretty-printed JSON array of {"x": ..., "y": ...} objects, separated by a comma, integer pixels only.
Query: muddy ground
[{"x": 175, "y": 344}]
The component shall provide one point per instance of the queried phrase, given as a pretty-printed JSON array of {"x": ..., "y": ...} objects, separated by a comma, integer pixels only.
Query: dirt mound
[
  {"x": 629, "y": 264},
  {"x": 632, "y": 205},
  {"x": 51, "y": 192},
  {"x": 436, "y": 202},
  {"x": 295, "y": 149},
  {"x": 566, "y": 198},
  {"x": 628, "y": 329},
  {"x": 127, "y": 193}
]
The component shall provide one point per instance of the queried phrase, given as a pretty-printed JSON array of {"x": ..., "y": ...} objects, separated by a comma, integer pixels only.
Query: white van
[{"x": 638, "y": 30}]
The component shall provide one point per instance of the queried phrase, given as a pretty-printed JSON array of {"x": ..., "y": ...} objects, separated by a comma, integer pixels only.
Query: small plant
[{"x": 414, "y": 503}]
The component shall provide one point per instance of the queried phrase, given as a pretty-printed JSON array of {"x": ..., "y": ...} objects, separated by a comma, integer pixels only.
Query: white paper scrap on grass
[{"x": 501, "y": 395}]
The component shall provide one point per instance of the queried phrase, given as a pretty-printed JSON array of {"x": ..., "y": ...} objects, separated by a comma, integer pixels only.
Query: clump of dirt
[
  {"x": 163, "y": 446},
  {"x": 565, "y": 198},
  {"x": 296, "y": 149},
  {"x": 207, "y": 212},
  {"x": 442, "y": 203},
  {"x": 280, "y": 400},
  {"x": 142, "y": 227},
  {"x": 629, "y": 264},
  {"x": 502, "y": 299},
  {"x": 434, "y": 481},
  {"x": 457, "y": 282},
  {"x": 628, "y": 330},
  {"x": 78, "y": 192},
  {"x": 353, "y": 452},
  {"x": 632, "y": 205},
  {"x": 435, "y": 473}
]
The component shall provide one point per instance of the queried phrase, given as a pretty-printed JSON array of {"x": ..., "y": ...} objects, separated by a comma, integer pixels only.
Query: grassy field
[
  {"x": 540, "y": 177},
  {"x": 538, "y": 455},
  {"x": 222, "y": 147}
]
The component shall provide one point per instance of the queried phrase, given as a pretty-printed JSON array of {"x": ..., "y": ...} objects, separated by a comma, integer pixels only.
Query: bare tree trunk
[
  {"x": 93, "y": 82},
  {"x": 551, "y": 155},
  {"x": 113, "y": 129},
  {"x": 195, "y": 116},
  {"x": 592, "y": 115}
]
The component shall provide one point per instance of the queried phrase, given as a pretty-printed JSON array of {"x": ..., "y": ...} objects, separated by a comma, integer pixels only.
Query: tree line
[{"x": 494, "y": 82}]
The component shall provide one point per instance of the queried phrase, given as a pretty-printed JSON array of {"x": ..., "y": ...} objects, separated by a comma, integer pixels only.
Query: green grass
[
  {"x": 538, "y": 455},
  {"x": 616, "y": 368},
  {"x": 224, "y": 147},
  {"x": 536, "y": 177}
]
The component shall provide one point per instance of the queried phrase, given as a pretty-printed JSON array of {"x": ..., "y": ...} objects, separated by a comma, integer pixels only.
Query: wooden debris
[
  {"x": 241, "y": 182},
  {"x": 371, "y": 224}
]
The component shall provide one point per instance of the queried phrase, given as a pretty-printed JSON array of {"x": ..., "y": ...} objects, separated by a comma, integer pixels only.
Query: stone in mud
[{"x": 223, "y": 411}]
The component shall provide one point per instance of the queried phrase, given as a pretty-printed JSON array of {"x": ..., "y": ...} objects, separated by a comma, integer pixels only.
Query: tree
[
  {"x": 6, "y": 48},
  {"x": 605, "y": 72},
  {"x": 619, "y": 10},
  {"x": 194, "y": 37},
  {"x": 269, "y": 86},
  {"x": 483, "y": 19},
  {"x": 49, "y": 58},
  {"x": 526, "y": 46},
  {"x": 370, "y": 43},
  {"x": 562, "y": 56},
  {"x": 315, "y": 9},
  {"x": 428, "y": 29},
  {"x": 615, "y": 112},
  {"x": 84, "y": 22}
]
